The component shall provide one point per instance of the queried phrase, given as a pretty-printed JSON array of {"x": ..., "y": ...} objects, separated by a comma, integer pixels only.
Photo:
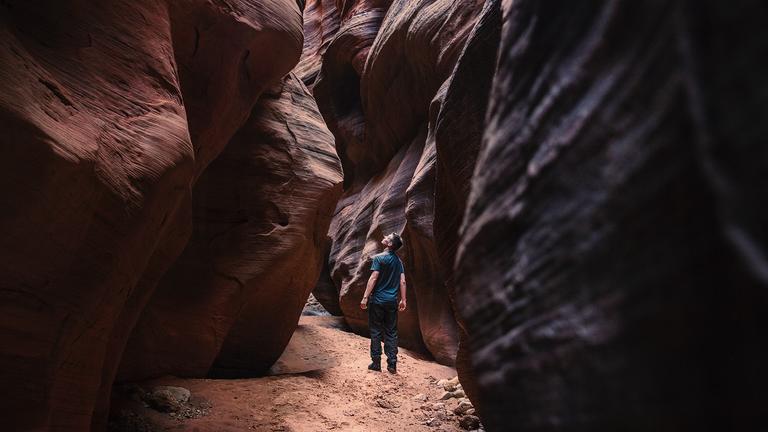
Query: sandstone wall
[
  {"x": 581, "y": 190},
  {"x": 378, "y": 78},
  {"x": 580, "y": 186},
  {"x": 608, "y": 167},
  {"x": 109, "y": 113},
  {"x": 260, "y": 213}
]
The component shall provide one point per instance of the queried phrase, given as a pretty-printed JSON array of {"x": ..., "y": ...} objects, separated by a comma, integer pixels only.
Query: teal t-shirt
[{"x": 387, "y": 286}]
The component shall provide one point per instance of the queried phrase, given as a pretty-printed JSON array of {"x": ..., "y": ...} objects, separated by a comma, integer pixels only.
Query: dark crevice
[
  {"x": 244, "y": 62},
  {"x": 56, "y": 91},
  {"x": 197, "y": 42}
]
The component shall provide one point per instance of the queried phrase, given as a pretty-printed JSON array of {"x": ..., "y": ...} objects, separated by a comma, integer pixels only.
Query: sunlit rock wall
[
  {"x": 109, "y": 113},
  {"x": 378, "y": 78},
  {"x": 260, "y": 213}
]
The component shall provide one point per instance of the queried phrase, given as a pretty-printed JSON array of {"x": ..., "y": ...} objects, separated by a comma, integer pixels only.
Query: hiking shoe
[
  {"x": 375, "y": 366},
  {"x": 392, "y": 369}
]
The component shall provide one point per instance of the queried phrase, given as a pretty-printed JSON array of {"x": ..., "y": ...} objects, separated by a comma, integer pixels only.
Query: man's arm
[
  {"x": 402, "y": 305},
  {"x": 368, "y": 289}
]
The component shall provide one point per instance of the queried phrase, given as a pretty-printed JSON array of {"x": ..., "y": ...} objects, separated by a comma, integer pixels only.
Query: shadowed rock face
[
  {"x": 109, "y": 112},
  {"x": 456, "y": 128},
  {"x": 616, "y": 193},
  {"x": 599, "y": 308}
]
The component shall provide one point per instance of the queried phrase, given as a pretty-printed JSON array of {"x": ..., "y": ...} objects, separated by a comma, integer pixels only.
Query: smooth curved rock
[
  {"x": 337, "y": 88},
  {"x": 389, "y": 165},
  {"x": 415, "y": 52},
  {"x": 397, "y": 96},
  {"x": 321, "y": 23},
  {"x": 97, "y": 160},
  {"x": 261, "y": 211},
  {"x": 217, "y": 47},
  {"x": 107, "y": 117},
  {"x": 305, "y": 184},
  {"x": 361, "y": 220},
  {"x": 457, "y": 119}
]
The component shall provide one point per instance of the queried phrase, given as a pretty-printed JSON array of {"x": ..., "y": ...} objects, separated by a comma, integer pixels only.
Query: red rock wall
[
  {"x": 109, "y": 113},
  {"x": 321, "y": 23},
  {"x": 379, "y": 112},
  {"x": 581, "y": 191},
  {"x": 260, "y": 215},
  {"x": 378, "y": 78},
  {"x": 613, "y": 228}
]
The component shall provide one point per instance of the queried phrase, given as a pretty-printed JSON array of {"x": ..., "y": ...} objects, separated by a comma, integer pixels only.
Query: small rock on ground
[
  {"x": 462, "y": 408},
  {"x": 469, "y": 422},
  {"x": 179, "y": 393},
  {"x": 167, "y": 399},
  {"x": 386, "y": 403}
]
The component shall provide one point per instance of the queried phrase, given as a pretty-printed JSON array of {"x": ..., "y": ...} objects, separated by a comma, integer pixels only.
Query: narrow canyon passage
[{"x": 581, "y": 190}]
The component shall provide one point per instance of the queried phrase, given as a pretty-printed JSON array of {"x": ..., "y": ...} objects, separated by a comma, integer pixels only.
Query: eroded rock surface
[
  {"x": 379, "y": 77},
  {"x": 457, "y": 119},
  {"x": 261, "y": 211},
  {"x": 304, "y": 185},
  {"x": 593, "y": 274},
  {"x": 614, "y": 169},
  {"x": 581, "y": 189},
  {"x": 109, "y": 112},
  {"x": 321, "y": 22}
]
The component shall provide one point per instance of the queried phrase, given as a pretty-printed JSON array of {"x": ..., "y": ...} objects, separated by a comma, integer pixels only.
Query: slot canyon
[{"x": 192, "y": 193}]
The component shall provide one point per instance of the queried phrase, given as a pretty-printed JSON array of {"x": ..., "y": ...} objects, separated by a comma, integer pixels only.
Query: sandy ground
[{"x": 321, "y": 383}]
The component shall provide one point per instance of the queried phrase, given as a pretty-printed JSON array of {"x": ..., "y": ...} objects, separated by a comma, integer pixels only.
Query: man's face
[{"x": 387, "y": 240}]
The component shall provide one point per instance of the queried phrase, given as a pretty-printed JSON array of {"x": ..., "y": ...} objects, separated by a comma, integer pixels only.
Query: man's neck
[{"x": 386, "y": 249}]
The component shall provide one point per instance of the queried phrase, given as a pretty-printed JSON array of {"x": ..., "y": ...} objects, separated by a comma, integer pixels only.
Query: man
[{"x": 387, "y": 276}]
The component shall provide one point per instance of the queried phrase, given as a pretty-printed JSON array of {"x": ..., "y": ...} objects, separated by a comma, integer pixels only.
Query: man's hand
[
  {"x": 364, "y": 303},
  {"x": 402, "y": 305}
]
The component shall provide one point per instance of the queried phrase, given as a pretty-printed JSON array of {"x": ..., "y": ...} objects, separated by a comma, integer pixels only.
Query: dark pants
[{"x": 382, "y": 319}]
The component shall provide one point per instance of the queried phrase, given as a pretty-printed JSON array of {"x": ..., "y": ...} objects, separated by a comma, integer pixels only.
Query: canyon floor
[{"x": 321, "y": 383}]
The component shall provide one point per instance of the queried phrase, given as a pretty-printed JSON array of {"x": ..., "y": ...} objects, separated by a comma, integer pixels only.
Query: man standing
[{"x": 387, "y": 276}]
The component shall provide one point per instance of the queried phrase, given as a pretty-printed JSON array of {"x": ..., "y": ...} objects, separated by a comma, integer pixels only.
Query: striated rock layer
[
  {"x": 109, "y": 112},
  {"x": 617, "y": 188},
  {"x": 379, "y": 76},
  {"x": 261, "y": 211},
  {"x": 456, "y": 127},
  {"x": 605, "y": 251}
]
